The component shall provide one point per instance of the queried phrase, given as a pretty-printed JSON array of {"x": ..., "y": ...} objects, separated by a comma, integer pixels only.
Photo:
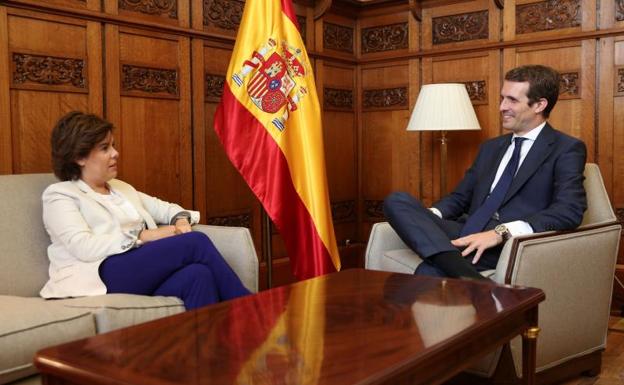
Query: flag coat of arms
[{"x": 269, "y": 123}]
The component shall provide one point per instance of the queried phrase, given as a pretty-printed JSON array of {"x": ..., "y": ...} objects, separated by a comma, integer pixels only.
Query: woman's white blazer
[{"x": 84, "y": 231}]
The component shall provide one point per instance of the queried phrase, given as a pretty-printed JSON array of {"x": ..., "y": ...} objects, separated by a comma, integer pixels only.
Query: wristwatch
[{"x": 503, "y": 231}]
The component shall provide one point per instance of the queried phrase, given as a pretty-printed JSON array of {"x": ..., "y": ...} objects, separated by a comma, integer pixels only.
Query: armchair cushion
[
  {"x": 25, "y": 322},
  {"x": 115, "y": 311}
]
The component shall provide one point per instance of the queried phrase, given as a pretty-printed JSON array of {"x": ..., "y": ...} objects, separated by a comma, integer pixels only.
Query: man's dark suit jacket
[{"x": 547, "y": 191}]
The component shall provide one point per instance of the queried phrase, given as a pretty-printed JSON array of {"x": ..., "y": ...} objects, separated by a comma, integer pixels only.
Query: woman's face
[{"x": 100, "y": 165}]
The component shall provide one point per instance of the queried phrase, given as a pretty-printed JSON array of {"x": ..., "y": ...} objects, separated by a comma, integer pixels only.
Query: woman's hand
[
  {"x": 182, "y": 226},
  {"x": 159, "y": 233}
]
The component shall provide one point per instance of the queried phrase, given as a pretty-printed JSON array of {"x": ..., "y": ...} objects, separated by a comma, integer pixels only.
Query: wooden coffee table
[{"x": 352, "y": 327}]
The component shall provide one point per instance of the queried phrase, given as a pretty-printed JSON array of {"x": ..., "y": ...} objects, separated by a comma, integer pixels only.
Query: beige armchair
[
  {"x": 29, "y": 323},
  {"x": 574, "y": 268}
]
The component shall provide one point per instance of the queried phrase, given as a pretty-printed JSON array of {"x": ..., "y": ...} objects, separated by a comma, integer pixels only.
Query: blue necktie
[{"x": 477, "y": 221}]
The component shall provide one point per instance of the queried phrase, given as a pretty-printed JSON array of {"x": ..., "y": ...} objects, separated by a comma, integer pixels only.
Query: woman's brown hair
[{"x": 73, "y": 138}]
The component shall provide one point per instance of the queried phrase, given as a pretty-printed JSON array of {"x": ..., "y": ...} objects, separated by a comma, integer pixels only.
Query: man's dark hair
[
  {"x": 73, "y": 138},
  {"x": 543, "y": 83}
]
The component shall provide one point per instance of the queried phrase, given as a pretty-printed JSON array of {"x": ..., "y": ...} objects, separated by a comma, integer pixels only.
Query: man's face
[{"x": 518, "y": 115}]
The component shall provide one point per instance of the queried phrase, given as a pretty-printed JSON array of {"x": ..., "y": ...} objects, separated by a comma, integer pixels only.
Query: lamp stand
[{"x": 443, "y": 154}]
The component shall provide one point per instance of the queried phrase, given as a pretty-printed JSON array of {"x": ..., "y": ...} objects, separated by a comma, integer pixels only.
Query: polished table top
[{"x": 356, "y": 326}]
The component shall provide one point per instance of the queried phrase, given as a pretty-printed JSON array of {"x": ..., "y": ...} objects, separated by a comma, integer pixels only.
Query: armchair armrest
[
  {"x": 384, "y": 239},
  {"x": 575, "y": 270},
  {"x": 236, "y": 246}
]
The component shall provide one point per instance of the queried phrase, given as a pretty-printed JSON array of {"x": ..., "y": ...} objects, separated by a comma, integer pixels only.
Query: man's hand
[
  {"x": 182, "y": 226},
  {"x": 479, "y": 242}
]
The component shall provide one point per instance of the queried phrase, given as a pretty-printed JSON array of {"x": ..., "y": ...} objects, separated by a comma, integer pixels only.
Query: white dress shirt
[{"x": 516, "y": 227}]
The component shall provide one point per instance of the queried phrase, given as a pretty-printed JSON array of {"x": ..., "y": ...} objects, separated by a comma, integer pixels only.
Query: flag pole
[{"x": 266, "y": 246}]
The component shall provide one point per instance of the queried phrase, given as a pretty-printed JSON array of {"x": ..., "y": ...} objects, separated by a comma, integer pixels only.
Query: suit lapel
[
  {"x": 82, "y": 186},
  {"x": 534, "y": 159},
  {"x": 132, "y": 197}
]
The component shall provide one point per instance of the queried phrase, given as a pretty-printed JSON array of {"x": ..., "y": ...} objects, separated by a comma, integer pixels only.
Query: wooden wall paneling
[
  {"x": 429, "y": 155},
  {"x": 337, "y": 36},
  {"x": 112, "y": 69},
  {"x": 607, "y": 85},
  {"x": 199, "y": 126},
  {"x": 6, "y": 150},
  {"x": 456, "y": 25},
  {"x": 168, "y": 12},
  {"x": 480, "y": 73},
  {"x": 54, "y": 68},
  {"x": 532, "y": 18},
  {"x": 385, "y": 36},
  {"x": 574, "y": 112},
  {"x": 389, "y": 153},
  {"x": 617, "y": 196},
  {"x": 228, "y": 199},
  {"x": 153, "y": 111},
  {"x": 611, "y": 14},
  {"x": 336, "y": 96},
  {"x": 219, "y": 17},
  {"x": 92, "y": 5}
]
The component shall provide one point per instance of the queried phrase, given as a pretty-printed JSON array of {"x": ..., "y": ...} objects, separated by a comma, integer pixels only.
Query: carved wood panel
[
  {"x": 570, "y": 85},
  {"x": 337, "y": 99},
  {"x": 477, "y": 91},
  {"x": 343, "y": 211},
  {"x": 373, "y": 210},
  {"x": 143, "y": 81},
  {"x": 395, "y": 98},
  {"x": 619, "y": 81},
  {"x": 548, "y": 15},
  {"x": 214, "y": 87},
  {"x": 223, "y": 14},
  {"x": 236, "y": 220},
  {"x": 385, "y": 38},
  {"x": 301, "y": 20},
  {"x": 46, "y": 72},
  {"x": 151, "y": 7},
  {"x": 459, "y": 28},
  {"x": 619, "y": 10},
  {"x": 337, "y": 37}
]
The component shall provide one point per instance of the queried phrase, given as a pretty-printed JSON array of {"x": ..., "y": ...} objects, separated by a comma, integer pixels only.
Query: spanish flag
[{"x": 269, "y": 123}]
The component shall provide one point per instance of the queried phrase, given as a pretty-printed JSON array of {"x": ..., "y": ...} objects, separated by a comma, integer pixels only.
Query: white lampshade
[{"x": 443, "y": 107}]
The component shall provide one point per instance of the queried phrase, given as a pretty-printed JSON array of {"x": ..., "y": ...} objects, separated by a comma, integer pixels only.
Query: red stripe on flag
[
  {"x": 262, "y": 164},
  {"x": 289, "y": 11}
]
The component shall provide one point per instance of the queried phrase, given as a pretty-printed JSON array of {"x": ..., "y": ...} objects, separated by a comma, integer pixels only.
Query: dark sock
[{"x": 455, "y": 266}]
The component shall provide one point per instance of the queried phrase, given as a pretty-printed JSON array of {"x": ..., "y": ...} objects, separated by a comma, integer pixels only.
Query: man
[{"x": 530, "y": 180}]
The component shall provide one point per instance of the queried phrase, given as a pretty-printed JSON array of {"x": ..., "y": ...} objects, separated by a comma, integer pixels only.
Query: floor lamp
[{"x": 443, "y": 107}]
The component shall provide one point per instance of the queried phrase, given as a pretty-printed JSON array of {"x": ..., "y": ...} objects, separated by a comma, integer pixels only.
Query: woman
[{"x": 104, "y": 234}]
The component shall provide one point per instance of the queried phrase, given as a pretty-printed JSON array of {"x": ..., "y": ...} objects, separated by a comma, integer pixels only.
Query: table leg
[{"x": 529, "y": 354}]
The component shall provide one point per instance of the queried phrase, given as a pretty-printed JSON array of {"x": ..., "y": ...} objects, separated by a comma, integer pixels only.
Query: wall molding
[{"x": 219, "y": 39}]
